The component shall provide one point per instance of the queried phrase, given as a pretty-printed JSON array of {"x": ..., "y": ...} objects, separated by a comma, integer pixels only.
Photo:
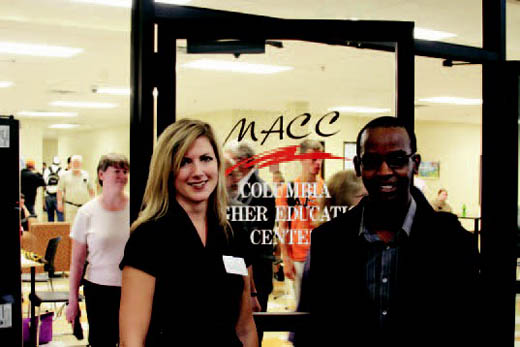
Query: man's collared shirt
[{"x": 381, "y": 265}]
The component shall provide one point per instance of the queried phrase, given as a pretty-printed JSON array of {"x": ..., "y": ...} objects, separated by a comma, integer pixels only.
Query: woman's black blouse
[{"x": 196, "y": 303}]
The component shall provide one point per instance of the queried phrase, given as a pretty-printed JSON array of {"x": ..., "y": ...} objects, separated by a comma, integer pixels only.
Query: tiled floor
[{"x": 281, "y": 300}]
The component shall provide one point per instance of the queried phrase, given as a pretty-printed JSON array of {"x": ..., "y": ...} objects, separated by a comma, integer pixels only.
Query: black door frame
[
  {"x": 152, "y": 69},
  {"x": 155, "y": 27}
]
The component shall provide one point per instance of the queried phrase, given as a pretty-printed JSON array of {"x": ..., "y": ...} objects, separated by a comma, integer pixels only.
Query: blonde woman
[
  {"x": 182, "y": 284},
  {"x": 99, "y": 234}
]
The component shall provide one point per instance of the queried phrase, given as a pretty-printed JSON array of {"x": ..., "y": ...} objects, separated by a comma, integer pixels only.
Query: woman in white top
[{"x": 99, "y": 235}]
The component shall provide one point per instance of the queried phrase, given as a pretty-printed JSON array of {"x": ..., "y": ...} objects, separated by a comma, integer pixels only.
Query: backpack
[{"x": 54, "y": 177}]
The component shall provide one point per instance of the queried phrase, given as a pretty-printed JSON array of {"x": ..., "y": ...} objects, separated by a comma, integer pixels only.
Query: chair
[{"x": 50, "y": 255}]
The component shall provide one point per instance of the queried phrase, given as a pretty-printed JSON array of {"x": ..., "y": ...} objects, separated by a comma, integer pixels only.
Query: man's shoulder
[{"x": 442, "y": 225}]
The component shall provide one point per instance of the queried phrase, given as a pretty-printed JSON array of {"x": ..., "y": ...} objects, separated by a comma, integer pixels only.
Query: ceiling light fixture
[
  {"x": 431, "y": 35},
  {"x": 359, "y": 109},
  {"x": 5, "y": 84},
  {"x": 112, "y": 90},
  {"x": 128, "y": 3},
  {"x": 235, "y": 66},
  {"x": 47, "y": 114},
  {"x": 83, "y": 104},
  {"x": 113, "y": 3},
  {"x": 173, "y": 2},
  {"x": 63, "y": 126},
  {"x": 38, "y": 50},
  {"x": 452, "y": 100}
]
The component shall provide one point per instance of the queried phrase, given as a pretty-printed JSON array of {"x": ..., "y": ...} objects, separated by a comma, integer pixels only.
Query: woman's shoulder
[
  {"x": 152, "y": 228},
  {"x": 90, "y": 207}
]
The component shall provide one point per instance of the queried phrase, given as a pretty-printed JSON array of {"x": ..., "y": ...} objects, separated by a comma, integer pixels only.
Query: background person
[
  {"x": 240, "y": 228},
  {"x": 346, "y": 190},
  {"x": 440, "y": 203},
  {"x": 74, "y": 189},
  {"x": 179, "y": 285},
  {"x": 297, "y": 242},
  {"x": 52, "y": 176},
  {"x": 255, "y": 192},
  {"x": 25, "y": 215},
  {"x": 30, "y": 180},
  {"x": 99, "y": 235}
]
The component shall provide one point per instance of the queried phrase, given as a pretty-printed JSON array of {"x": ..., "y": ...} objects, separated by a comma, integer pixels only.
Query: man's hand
[
  {"x": 60, "y": 206},
  {"x": 288, "y": 268}
]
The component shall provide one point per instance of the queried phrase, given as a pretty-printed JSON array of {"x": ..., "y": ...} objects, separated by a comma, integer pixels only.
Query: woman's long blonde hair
[{"x": 171, "y": 147}]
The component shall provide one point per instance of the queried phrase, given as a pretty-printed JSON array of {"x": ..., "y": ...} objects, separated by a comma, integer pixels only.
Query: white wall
[
  {"x": 50, "y": 149},
  {"x": 91, "y": 145},
  {"x": 31, "y": 147}
]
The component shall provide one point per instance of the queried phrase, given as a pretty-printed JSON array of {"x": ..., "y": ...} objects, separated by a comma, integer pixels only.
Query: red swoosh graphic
[{"x": 280, "y": 155}]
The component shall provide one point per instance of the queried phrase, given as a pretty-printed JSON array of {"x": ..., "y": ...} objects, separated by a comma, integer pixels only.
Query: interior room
[{"x": 65, "y": 75}]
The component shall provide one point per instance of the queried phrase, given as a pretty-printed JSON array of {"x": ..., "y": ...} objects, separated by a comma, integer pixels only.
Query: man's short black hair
[{"x": 386, "y": 122}]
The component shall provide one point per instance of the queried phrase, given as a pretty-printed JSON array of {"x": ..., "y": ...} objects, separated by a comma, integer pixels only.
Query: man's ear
[
  {"x": 357, "y": 166},
  {"x": 416, "y": 162}
]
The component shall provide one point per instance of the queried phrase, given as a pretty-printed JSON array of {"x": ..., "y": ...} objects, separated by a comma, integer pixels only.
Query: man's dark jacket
[{"x": 436, "y": 301}]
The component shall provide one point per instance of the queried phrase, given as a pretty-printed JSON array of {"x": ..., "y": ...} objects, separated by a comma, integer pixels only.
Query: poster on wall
[{"x": 429, "y": 169}]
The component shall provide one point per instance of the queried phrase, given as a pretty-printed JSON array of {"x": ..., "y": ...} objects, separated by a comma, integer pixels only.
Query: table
[{"x": 26, "y": 263}]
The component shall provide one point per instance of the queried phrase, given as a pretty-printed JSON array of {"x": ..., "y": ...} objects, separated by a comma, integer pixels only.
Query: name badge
[{"x": 235, "y": 265}]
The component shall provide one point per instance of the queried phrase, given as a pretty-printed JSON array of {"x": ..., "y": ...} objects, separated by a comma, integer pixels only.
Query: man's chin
[{"x": 386, "y": 198}]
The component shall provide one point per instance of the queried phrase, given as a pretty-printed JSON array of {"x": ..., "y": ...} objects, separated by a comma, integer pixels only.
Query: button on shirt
[{"x": 381, "y": 266}]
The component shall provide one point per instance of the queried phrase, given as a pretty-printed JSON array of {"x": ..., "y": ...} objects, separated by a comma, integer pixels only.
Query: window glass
[
  {"x": 448, "y": 114},
  {"x": 326, "y": 93}
]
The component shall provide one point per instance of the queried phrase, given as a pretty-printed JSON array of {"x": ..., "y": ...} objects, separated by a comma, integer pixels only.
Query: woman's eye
[
  {"x": 206, "y": 158},
  {"x": 185, "y": 161}
]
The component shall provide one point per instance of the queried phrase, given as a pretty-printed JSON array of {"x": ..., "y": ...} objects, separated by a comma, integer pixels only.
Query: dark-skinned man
[{"x": 391, "y": 271}]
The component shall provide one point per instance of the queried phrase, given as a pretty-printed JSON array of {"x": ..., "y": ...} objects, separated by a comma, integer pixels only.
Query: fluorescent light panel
[
  {"x": 432, "y": 35},
  {"x": 359, "y": 109},
  {"x": 113, "y": 3},
  {"x": 235, "y": 66},
  {"x": 113, "y": 90},
  {"x": 83, "y": 104},
  {"x": 452, "y": 100},
  {"x": 173, "y": 2},
  {"x": 63, "y": 126},
  {"x": 128, "y": 3},
  {"x": 5, "y": 84},
  {"x": 38, "y": 50},
  {"x": 47, "y": 114}
]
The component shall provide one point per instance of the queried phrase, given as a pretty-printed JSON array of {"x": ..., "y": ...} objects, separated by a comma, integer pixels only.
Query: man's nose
[{"x": 384, "y": 169}]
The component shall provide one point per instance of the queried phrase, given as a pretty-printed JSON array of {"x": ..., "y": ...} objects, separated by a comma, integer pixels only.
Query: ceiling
[{"x": 323, "y": 76}]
